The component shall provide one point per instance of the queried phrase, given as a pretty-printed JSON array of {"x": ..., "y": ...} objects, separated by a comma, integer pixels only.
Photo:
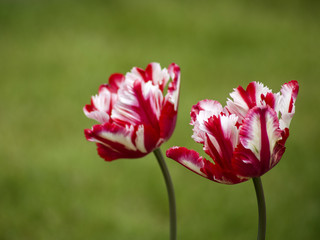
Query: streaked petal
[
  {"x": 245, "y": 163},
  {"x": 191, "y": 160},
  {"x": 101, "y": 104},
  {"x": 169, "y": 106},
  {"x": 156, "y": 75},
  {"x": 167, "y": 120},
  {"x": 115, "y": 82},
  {"x": 99, "y": 116},
  {"x": 279, "y": 148},
  {"x": 188, "y": 158},
  {"x": 118, "y": 141},
  {"x": 151, "y": 137},
  {"x": 174, "y": 86},
  {"x": 111, "y": 133},
  {"x": 289, "y": 92},
  {"x": 136, "y": 74},
  {"x": 200, "y": 113},
  {"x": 259, "y": 133},
  {"x": 153, "y": 73},
  {"x": 271, "y": 99},
  {"x": 139, "y": 103},
  {"x": 221, "y": 139},
  {"x": 243, "y": 100}
]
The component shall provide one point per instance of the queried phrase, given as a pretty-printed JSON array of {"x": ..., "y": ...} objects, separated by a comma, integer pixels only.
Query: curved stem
[
  {"x": 172, "y": 202},
  {"x": 262, "y": 208}
]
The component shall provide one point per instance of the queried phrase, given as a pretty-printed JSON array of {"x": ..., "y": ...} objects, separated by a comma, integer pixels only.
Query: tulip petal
[
  {"x": 115, "y": 141},
  {"x": 221, "y": 139},
  {"x": 174, "y": 86},
  {"x": 191, "y": 160},
  {"x": 200, "y": 113},
  {"x": 141, "y": 99},
  {"x": 101, "y": 104},
  {"x": 259, "y": 133},
  {"x": 279, "y": 148},
  {"x": 115, "y": 82},
  {"x": 169, "y": 110},
  {"x": 138, "y": 103},
  {"x": 289, "y": 92},
  {"x": 99, "y": 116},
  {"x": 243, "y": 100},
  {"x": 167, "y": 120},
  {"x": 247, "y": 165},
  {"x": 188, "y": 158},
  {"x": 158, "y": 77}
]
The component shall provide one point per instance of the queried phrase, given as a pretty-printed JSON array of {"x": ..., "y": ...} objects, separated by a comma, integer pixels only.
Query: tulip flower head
[
  {"x": 245, "y": 139},
  {"x": 135, "y": 116}
]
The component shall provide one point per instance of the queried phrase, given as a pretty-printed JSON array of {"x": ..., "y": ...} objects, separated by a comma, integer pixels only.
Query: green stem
[
  {"x": 262, "y": 208},
  {"x": 172, "y": 202}
]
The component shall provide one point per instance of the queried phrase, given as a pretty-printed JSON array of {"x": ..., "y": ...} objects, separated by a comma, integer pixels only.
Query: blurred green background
[{"x": 55, "y": 54}]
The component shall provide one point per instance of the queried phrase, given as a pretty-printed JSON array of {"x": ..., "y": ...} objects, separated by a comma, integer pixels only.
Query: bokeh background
[{"x": 55, "y": 54}]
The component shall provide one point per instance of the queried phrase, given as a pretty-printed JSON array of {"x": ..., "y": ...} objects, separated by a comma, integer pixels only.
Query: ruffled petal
[
  {"x": 153, "y": 73},
  {"x": 156, "y": 75},
  {"x": 200, "y": 113},
  {"x": 102, "y": 103},
  {"x": 136, "y": 74},
  {"x": 115, "y": 82},
  {"x": 289, "y": 92},
  {"x": 243, "y": 100},
  {"x": 169, "y": 109},
  {"x": 174, "y": 86}
]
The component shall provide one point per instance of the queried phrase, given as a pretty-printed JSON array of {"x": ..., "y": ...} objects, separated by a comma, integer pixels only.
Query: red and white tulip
[
  {"x": 135, "y": 115},
  {"x": 245, "y": 139}
]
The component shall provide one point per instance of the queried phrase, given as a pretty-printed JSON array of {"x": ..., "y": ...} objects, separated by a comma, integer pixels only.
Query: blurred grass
[{"x": 55, "y": 54}]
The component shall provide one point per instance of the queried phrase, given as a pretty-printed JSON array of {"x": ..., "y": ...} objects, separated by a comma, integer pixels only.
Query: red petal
[
  {"x": 191, "y": 160},
  {"x": 167, "y": 121},
  {"x": 115, "y": 81},
  {"x": 188, "y": 158}
]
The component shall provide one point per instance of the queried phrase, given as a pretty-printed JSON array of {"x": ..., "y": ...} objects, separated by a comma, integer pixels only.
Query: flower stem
[
  {"x": 172, "y": 203},
  {"x": 262, "y": 208}
]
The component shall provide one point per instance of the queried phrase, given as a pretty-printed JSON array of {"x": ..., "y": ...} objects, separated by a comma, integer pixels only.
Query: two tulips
[{"x": 242, "y": 140}]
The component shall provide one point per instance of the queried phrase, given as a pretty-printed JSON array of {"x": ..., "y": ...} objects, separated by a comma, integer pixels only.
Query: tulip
[
  {"x": 135, "y": 117},
  {"x": 244, "y": 139}
]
